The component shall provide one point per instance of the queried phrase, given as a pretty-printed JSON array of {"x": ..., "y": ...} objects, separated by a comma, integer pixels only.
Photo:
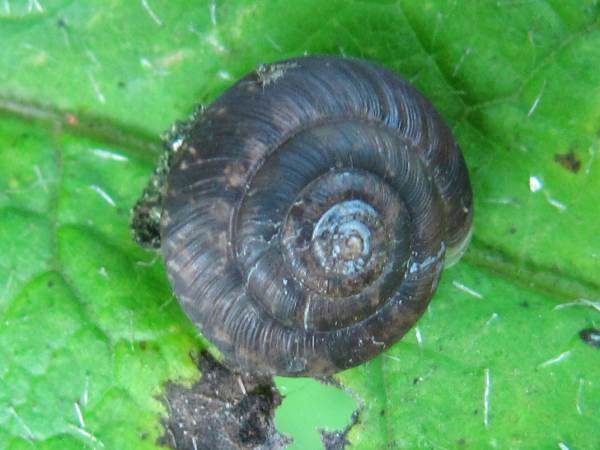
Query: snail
[{"x": 308, "y": 212}]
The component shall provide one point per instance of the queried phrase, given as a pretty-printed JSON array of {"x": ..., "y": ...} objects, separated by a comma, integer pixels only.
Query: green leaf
[
  {"x": 90, "y": 333},
  {"x": 89, "y": 328}
]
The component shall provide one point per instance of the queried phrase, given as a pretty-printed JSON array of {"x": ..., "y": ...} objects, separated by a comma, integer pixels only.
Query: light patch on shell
[
  {"x": 221, "y": 210},
  {"x": 342, "y": 237},
  {"x": 235, "y": 174},
  {"x": 255, "y": 149},
  {"x": 270, "y": 73},
  {"x": 222, "y": 239},
  {"x": 417, "y": 266},
  {"x": 222, "y": 111}
]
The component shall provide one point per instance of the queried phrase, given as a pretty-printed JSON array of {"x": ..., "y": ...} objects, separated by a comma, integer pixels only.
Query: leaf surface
[{"x": 90, "y": 333}]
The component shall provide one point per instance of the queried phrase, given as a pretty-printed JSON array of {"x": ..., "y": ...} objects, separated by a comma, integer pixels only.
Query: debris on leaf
[
  {"x": 591, "y": 336},
  {"x": 338, "y": 440},
  {"x": 222, "y": 411},
  {"x": 145, "y": 222},
  {"x": 569, "y": 161}
]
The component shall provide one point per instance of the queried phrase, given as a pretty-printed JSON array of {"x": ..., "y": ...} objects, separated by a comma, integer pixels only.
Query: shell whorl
[{"x": 308, "y": 213}]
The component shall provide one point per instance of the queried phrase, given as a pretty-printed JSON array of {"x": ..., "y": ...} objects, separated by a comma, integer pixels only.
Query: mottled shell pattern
[{"x": 309, "y": 212}]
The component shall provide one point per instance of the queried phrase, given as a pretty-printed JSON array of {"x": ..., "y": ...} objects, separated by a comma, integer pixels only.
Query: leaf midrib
[{"x": 481, "y": 254}]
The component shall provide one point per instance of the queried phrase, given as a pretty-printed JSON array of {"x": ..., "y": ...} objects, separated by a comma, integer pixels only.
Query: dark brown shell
[{"x": 308, "y": 213}]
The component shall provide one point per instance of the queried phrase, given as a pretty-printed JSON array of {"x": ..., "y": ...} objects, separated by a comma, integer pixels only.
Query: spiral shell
[{"x": 308, "y": 213}]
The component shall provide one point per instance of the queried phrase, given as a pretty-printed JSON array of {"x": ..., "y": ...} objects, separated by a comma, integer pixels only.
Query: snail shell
[{"x": 308, "y": 214}]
